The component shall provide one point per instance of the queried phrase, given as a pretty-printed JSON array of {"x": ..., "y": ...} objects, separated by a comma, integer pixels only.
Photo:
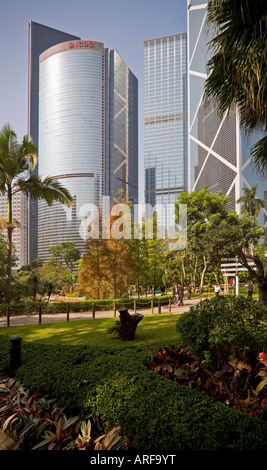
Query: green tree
[
  {"x": 237, "y": 69},
  {"x": 151, "y": 252},
  {"x": 250, "y": 204},
  {"x": 55, "y": 277},
  {"x": 17, "y": 160},
  {"x": 203, "y": 210},
  {"x": 26, "y": 282},
  {"x": 67, "y": 253},
  {"x": 234, "y": 236}
]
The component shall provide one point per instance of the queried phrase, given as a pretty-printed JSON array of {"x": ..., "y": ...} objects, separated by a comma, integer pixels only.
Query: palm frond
[
  {"x": 15, "y": 158},
  {"x": 237, "y": 67},
  {"x": 28, "y": 153},
  {"x": 49, "y": 189},
  {"x": 259, "y": 155},
  {"x": 8, "y": 139},
  {"x": 4, "y": 223}
]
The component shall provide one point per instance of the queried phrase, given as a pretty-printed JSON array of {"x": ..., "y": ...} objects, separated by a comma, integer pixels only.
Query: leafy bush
[
  {"x": 224, "y": 326},
  {"x": 153, "y": 412}
]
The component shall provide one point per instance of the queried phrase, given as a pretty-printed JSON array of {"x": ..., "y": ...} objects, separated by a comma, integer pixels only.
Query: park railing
[{"x": 151, "y": 305}]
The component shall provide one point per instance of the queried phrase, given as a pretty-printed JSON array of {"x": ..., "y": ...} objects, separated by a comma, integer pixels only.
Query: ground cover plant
[
  {"x": 111, "y": 379},
  {"x": 236, "y": 384},
  {"x": 37, "y": 422}
]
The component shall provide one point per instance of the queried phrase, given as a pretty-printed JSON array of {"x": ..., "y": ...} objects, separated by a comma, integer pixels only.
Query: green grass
[{"x": 151, "y": 329}]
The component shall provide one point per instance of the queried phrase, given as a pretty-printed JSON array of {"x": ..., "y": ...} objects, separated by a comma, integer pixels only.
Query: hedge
[{"x": 153, "y": 412}]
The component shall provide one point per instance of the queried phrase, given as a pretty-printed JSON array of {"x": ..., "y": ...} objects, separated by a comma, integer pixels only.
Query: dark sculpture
[{"x": 128, "y": 323}]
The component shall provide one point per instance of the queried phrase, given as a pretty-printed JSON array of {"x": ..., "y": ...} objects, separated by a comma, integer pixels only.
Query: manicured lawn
[{"x": 151, "y": 329}]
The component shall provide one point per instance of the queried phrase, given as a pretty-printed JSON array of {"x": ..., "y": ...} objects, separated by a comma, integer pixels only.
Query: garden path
[{"x": 60, "y": 317}]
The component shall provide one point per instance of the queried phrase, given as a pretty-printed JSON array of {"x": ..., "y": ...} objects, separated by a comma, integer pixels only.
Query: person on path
[
  {"x": 250, "y": 289},
  {"x": 217, "y": 289},
  {"x": 180, "y": 291},
  {"x": 189, "y": 290},
  {"x": 175, "y": 294}
]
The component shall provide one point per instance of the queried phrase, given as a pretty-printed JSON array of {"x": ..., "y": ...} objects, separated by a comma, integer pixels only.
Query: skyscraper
[
  {"x": 219, "y": 150},
  {"x": 87, "y": 134},
  {"x": 165, "y": 118},
  {"x": 121, "y": 128},
  {"x": 40, "y": 38},
  {"x": 100, "y": 153},
  {"x": 19, "y": 234}
]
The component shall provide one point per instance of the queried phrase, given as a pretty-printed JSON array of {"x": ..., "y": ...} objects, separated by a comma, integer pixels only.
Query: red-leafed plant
[
  {"x": 35, "y": 422},
  {"x": 236, "y": 383},
  {"x": 177, "y": 365}
]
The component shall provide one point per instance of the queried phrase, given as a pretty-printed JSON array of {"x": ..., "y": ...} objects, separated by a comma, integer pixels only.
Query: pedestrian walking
[
  {"x": 217, "y": 289},
  {"x": 175, "y": 294},
  {"x": 180, "y": 291},
  {"x": 189, "y": 290},
  {"x": 250, "y": 289}
]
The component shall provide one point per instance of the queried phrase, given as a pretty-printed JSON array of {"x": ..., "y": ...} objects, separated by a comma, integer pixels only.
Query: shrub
[
  {"x": 154, "y": 413},
  {"x": 225, "y": 326}
]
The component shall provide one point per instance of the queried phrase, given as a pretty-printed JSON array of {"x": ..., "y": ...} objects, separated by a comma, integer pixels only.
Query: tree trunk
[
  {"x": 183, "y": 271},
  {"x": 128, "y": 324},
  {"x": 8, "y": 265},
  {"x": 263, "y": 291},
  {"x": 194, "y": 275},
  {"x": 9, "y": 246},
  {"x": 203, "y": 274}
]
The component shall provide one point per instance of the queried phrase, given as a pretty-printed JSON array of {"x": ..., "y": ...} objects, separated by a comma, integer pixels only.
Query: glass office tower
[
  {"x": 165, "y": 118},
  {"x": 87, "y": 134},
  {"x": 71, "y": 127},
  {"x": 219, "y": 150},
  {"x": 121, "y": 128},
  {"x": 40, "y": 38}
]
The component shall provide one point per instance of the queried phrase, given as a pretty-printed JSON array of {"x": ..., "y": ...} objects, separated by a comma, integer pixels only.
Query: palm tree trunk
[{"x": 9, "y": 246}]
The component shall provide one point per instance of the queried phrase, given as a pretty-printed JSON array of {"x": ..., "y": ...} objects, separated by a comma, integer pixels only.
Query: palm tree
[
  {"x": 16, "y": 163},
  {"x": 251, "y": 205},
  {"x": 237, "y": 72}
]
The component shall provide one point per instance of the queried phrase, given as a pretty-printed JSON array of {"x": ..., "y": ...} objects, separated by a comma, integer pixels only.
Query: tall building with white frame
[{"x": 219, "y": 150}]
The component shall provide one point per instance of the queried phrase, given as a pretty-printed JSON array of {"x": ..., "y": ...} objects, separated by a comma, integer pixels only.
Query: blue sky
[{"x": 123, "y": 25}]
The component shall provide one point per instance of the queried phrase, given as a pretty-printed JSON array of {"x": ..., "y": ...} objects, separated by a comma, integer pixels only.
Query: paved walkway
[{"x": 60, "y": 317}]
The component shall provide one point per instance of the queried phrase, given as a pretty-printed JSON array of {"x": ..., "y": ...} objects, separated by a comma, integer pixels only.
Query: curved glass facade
[{"x": 71, "y": 129}]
